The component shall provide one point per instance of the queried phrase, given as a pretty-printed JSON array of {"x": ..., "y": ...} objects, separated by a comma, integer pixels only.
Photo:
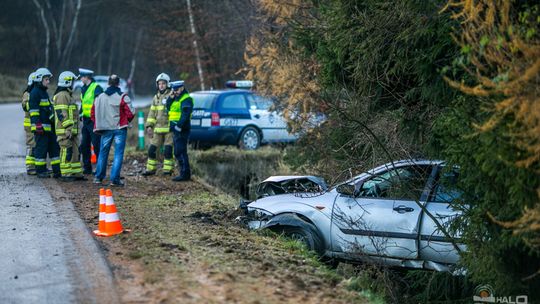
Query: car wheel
[
  {"x": 250, "y": 139},
  {"x": 307, "y": 236}
]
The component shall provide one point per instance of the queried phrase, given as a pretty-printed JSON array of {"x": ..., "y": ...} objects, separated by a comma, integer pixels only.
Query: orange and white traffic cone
[
  {"x": 112, "y": 220},
  {"x": 102, "y": 200},
  {"x": 93, "y": 157}
]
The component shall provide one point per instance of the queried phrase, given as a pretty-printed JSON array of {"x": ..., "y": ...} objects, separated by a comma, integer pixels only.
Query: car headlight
[{"x": 259, "y": 214}]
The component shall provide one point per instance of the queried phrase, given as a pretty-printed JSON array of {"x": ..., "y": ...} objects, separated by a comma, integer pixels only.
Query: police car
[{"x": 236, "y": 116}]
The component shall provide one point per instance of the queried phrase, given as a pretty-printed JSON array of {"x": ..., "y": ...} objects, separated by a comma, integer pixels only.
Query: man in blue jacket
[{"x": 180, "y": 107}]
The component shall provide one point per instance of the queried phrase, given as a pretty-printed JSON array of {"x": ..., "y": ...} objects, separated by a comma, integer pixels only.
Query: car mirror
[{"x": 346, "y": 189}]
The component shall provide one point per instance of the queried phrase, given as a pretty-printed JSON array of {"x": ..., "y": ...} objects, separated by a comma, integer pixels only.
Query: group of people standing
[{"x": 53, "y": 127}]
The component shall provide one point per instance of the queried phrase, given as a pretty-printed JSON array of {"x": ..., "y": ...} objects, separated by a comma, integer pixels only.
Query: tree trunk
[
  {"x": 47, "y": 31},
  {"x": 67, "y": 48},
  {"x": 195, "y": 45},
  {"x": 134, "y": 58}
]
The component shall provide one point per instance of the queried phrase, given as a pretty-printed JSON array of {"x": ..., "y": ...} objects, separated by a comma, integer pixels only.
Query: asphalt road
[{"x": 47, "y": 254}]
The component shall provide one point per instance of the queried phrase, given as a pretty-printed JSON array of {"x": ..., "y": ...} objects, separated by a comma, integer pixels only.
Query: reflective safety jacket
[
  {"x": 88, "y": 95},
  {"x": 180, "y": 109},
  {"x": 66, "y": 113},
  {"x": 26, "y": 107},
  {"x": 41, "y": 109},
  {"x": 158, "y": 117}
]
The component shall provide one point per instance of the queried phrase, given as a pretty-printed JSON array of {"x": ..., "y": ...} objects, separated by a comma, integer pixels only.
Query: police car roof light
[{"x": 239, "y": 84}]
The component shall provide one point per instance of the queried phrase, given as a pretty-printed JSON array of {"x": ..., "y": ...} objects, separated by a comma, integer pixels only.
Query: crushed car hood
[{"x": 276, "y": 185}]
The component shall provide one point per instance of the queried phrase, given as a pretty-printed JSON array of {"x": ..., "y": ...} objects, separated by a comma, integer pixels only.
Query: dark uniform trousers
[
  {"x": 89, "y": 137},
  {"x": 180, "y": 152},
  {"x": 46, "y": 144}
]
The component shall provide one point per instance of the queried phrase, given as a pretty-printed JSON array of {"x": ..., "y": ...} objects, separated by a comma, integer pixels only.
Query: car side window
[
  {"x": 258, "y": 103},
  {"x": 405, "y": 183},
  {"x": 234, "y": 101},
  {"x": 445, "y": 190}
]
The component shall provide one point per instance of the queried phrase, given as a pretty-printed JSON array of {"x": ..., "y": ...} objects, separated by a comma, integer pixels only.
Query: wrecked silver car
[{"x": 397, "y": 214}]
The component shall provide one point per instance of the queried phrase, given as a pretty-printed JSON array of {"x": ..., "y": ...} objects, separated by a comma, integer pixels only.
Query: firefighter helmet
[
  {"x": 31, "y": 78},
  {"x": 163, "y": 77},
  {"x": 42, "y": 72},
  {"x": 65, "y": 79}
]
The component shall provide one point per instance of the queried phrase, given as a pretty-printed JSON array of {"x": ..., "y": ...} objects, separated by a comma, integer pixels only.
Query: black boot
[
  {"x": 44, "y": 175},
  {"x": 67, "y": 178},
  {"x": 148, "y": 173},
  {"x": 183, "y": 175},
  {"x": 181, "y": 178}
]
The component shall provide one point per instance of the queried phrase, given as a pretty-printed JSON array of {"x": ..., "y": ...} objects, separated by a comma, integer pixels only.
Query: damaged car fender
[
  {"x": 292, "y": 225},
  {"x": 293, "y": 210}
]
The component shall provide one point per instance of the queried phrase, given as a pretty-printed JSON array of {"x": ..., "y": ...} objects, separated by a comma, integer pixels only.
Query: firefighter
[
  {"x": 89, "y": 92},
  {"x": 67, "y": 128},
  {"x": 42, "y": 125},
  {"x": 180, "y": 107},
  {"x": 30, "y": 161},
  {"x": 157, "y": 128}
]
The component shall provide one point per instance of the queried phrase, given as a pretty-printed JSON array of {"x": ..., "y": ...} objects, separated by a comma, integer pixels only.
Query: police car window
[
  {"x": 259, "y": 103},
  {"x": 234, "y": 101},
  {"x": 203, "y": 101}
]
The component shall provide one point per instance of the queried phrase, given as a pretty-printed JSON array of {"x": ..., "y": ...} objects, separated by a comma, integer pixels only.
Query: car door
[
  {"x": 233, "y": 116},
  {"x": 382, "y": 218},
  {"x": 258, "y": 109},
  {"x": 442, "y": 207}
]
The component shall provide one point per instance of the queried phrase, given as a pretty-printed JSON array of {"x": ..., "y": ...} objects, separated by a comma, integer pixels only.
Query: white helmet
[
  {"x": 42, "y": 72},
  {"x": 65, "y": 79},
  {"x": 31, "y": 78},
  {"x": 163, "y": 77}
]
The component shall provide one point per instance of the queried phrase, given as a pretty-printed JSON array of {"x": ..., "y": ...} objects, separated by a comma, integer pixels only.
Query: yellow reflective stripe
[
  {"x": 60, "y": 107},
  {"x": 27, "y": 122},
  {"x": 55, "y": 162},
  {"x": 44, "y": 103},
  {"x": 161, "y": 130},
  {"x": 67, "y": 123},
  {"x": 153, "y": 108},
  {"x": 159, "y": 108},
  {"x": 60, "y": 131},
  {"x": 150, "y": 120},
  {"x": 36, "y": 113}
]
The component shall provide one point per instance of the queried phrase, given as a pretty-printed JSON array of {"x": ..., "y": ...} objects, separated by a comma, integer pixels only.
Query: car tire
[
  {"x": 307, "y": 235},
  {"x": 250, "y": 139}
]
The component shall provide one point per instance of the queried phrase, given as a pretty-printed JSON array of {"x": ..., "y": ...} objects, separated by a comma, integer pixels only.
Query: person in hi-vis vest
[{"x": 89, "y": 92}]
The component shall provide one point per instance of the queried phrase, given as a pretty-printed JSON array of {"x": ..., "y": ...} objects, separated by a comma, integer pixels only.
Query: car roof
[
  {"x": 280, "y": 178},
  {"x": 104, "y": 78},
  {"x": 397, "y": 163},
  {"x": 221, "y": 91}
]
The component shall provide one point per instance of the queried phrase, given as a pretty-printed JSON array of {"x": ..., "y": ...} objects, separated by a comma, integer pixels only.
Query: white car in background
[{"x": 103, "y": 81}]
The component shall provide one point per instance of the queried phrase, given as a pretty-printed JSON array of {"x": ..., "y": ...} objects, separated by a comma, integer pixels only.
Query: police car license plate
[{"x": 196, "y": 122}]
